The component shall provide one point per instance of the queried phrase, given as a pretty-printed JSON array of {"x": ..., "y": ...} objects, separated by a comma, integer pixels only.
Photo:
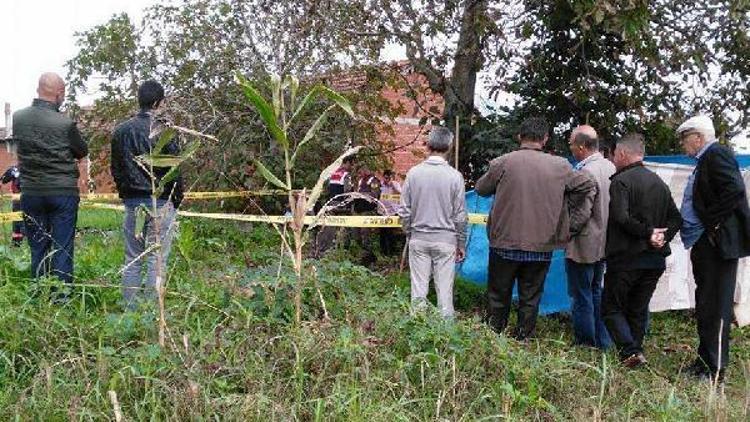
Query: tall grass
[{"x": 233, "y": 352}]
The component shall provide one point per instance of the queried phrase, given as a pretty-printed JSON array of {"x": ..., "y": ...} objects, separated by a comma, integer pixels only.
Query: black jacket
[
  {"x": 720, "y": 201},
  {"x": 639, "y": 202},
  {"x": 131, "y": 139}
]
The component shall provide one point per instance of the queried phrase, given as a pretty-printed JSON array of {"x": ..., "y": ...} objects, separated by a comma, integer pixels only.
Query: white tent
[{"x": 676, "y": 287}]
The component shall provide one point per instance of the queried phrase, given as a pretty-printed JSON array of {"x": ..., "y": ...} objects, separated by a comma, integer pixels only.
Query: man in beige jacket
[
  {"x": 585, "y": 264},
  {"x": 539, "y": 202}
]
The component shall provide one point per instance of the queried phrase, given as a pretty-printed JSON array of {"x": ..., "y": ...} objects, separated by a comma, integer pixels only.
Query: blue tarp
[
  {"x": 474, "y": 268},
  {"x": 555, "y": 298}
]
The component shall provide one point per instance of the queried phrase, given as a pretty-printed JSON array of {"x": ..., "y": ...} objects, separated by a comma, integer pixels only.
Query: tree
[{"x": 194, "y": 48}]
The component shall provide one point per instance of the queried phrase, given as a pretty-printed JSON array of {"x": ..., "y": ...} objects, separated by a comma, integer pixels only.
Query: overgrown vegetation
[{"x": 233, "y": 352}]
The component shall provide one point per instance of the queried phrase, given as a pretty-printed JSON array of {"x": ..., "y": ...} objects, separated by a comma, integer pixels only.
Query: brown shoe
[{"x": 636, "y": 360}]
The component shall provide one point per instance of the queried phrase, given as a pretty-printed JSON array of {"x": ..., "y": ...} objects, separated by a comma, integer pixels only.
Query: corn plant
[{"x": 278, "y": 116}]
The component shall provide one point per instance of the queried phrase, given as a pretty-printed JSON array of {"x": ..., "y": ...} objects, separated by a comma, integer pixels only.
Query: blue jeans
[
  {"x": 50, "y": 227},
  {"x": 142, "y": 248},
  {"x": 585, "y": 283}
]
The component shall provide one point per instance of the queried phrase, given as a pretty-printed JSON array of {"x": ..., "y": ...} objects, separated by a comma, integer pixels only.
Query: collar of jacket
[
  {"x": 38, "y": 102},
  {"x": 145, "y": 113},
  {"x": 591, "y": 158},
  {"x": 626, "y": 168},
  {"x": 435, "y": 159},
  {"x": 705, "y": 149},
  {"x": 532, "y": 148}
]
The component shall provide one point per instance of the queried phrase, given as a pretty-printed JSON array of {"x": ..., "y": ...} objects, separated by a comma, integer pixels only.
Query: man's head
[
  {"x": 583, "y": 142},
  {"x": 534, "y": 130},
  {"x": 388, "y": 175},
  {"x": 695, "y": 133},
  {"x": 348, "y": 163},
  {"x": 440, "y": 140},
  {"x": 51, "y": 88},
  {"x": 628, "y": 150},
  {"x": 150, "y": 95}
]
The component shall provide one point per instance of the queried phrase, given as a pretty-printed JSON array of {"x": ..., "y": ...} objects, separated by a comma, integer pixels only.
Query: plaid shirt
[{"x": 523, "y": 256}]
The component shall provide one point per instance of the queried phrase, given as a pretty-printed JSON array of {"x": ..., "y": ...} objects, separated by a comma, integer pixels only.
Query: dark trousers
[
  {"x": 715, "y": 280},
  {"x": 625, "y": 307},
  {"x": 502, "y": 276},
  {"x": 585, "y": 284},
  {"x": 387, "y": 241},
  {"x": 50, "y": 227},
  {"x": 17, "y": 235}
]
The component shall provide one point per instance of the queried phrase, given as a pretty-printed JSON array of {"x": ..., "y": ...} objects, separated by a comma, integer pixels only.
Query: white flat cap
[{"x": 700, "y": 123}]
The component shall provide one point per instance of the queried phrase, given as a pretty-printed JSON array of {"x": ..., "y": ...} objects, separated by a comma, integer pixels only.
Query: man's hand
[
  {"x": 657, "y": 239},
  {"x": 460, "y": 254}
]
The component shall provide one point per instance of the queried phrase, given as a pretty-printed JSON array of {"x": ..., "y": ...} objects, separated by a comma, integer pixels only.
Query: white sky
[{"x": 37, "y": 37}]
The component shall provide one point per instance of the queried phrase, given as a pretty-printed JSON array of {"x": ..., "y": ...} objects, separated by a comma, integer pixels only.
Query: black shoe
[
  {"x": 696, "y": 369},
  {"x": 713, "y": 376}
]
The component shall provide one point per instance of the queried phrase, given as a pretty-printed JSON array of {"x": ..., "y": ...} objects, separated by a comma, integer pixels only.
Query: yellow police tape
[
  {"x": 189, "y": 195},
  {"x": 331, "y": 220}
]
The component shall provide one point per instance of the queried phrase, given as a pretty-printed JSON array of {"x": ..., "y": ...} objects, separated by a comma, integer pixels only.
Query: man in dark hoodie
[
  {"x": 132, "y": 140},
  {"x": 643, "y": 219},
  {"x": 49, "y": 144}
]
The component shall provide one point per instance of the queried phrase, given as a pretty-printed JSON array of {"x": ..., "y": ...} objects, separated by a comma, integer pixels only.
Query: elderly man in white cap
[{"x": 716, "y": 225}]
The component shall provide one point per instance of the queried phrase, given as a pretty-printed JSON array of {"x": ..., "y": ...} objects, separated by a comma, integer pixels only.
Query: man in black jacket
[
  {"x": 643, "y": 219},
  {"x": 132, "y": 141},
  {"x": 717, "y": 227}
]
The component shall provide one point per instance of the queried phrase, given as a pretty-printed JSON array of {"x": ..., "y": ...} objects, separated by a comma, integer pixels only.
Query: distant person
[
  {"x": 49, "y": 144},
  {"x": 13, "y": 176},
  {"x": 643, "y": 219},
  {"x": 339, "y": 183},
  {"x": 716, "y": 225},
  {"x": 433, "y": 216},
  {"x": 539, "y": 202},
  {"x": 131, "y": 139},
  {"x": 368, "y": 188},
  {"x": 390, "y": 192},
  {"x": 584, "y": 264}
]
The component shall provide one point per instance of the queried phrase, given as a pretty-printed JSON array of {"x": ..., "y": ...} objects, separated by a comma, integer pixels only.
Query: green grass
[{"x": 233, "y": 353}]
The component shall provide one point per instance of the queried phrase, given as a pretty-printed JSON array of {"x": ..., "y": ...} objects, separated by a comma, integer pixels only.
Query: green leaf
[
  {"x": 276, "y": 89},
  {"x": 270, "y": 176},
  {"x": 164, "y": 138},
  {"x": 162, "y": 160},
  {"x": 265, "y": 110},
  {"x": 339, "y": 99},
  {"x": 311, "y": 133},
  {"x": 332, "y": 95},
  {"x": 325, "y": 174},
  {"x": 293, "y": 83}
]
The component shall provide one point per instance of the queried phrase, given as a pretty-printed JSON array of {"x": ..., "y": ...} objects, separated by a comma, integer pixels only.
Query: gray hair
[
  {"x": 440, "y": 140},
  {"x": 633, "y": 144}
]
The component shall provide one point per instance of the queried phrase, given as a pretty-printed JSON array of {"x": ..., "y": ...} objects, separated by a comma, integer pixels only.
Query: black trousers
[
  {"x": 502, "y": 276},
  {"x": 715, "y": 280},
  {"x": 625, "y": 307},
  {"x": 387, "y": 241}
]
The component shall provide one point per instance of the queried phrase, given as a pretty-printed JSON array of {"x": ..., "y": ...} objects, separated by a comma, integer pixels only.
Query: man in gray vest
[{"x": 49, "y": 144}]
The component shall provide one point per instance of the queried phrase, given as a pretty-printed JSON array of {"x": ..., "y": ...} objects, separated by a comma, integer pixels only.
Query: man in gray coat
[
  {"x": 585, "y": 253},
  {"x": 539, "y": 202},
  {"x": 433, "y": 215}
]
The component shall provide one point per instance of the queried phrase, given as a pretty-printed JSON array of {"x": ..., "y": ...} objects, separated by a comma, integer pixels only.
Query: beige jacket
[
  {"x": 539, "y": 200},
  {"x": 588, "y": 246}
]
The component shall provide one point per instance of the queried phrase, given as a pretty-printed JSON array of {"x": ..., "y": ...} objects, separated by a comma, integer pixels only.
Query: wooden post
[{"x": 456, "y": 141}]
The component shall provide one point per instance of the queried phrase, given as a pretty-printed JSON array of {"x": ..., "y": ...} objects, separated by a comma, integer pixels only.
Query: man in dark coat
[{"x": 717, "y": 228}]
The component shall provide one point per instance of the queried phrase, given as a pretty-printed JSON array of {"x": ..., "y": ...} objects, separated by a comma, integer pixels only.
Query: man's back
[
  {"x": 640, "y": 201},
  {"x": 48, "y": 144},
  {"x": 433, "y": 201},
  {"x": 529, "y": 212}
]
